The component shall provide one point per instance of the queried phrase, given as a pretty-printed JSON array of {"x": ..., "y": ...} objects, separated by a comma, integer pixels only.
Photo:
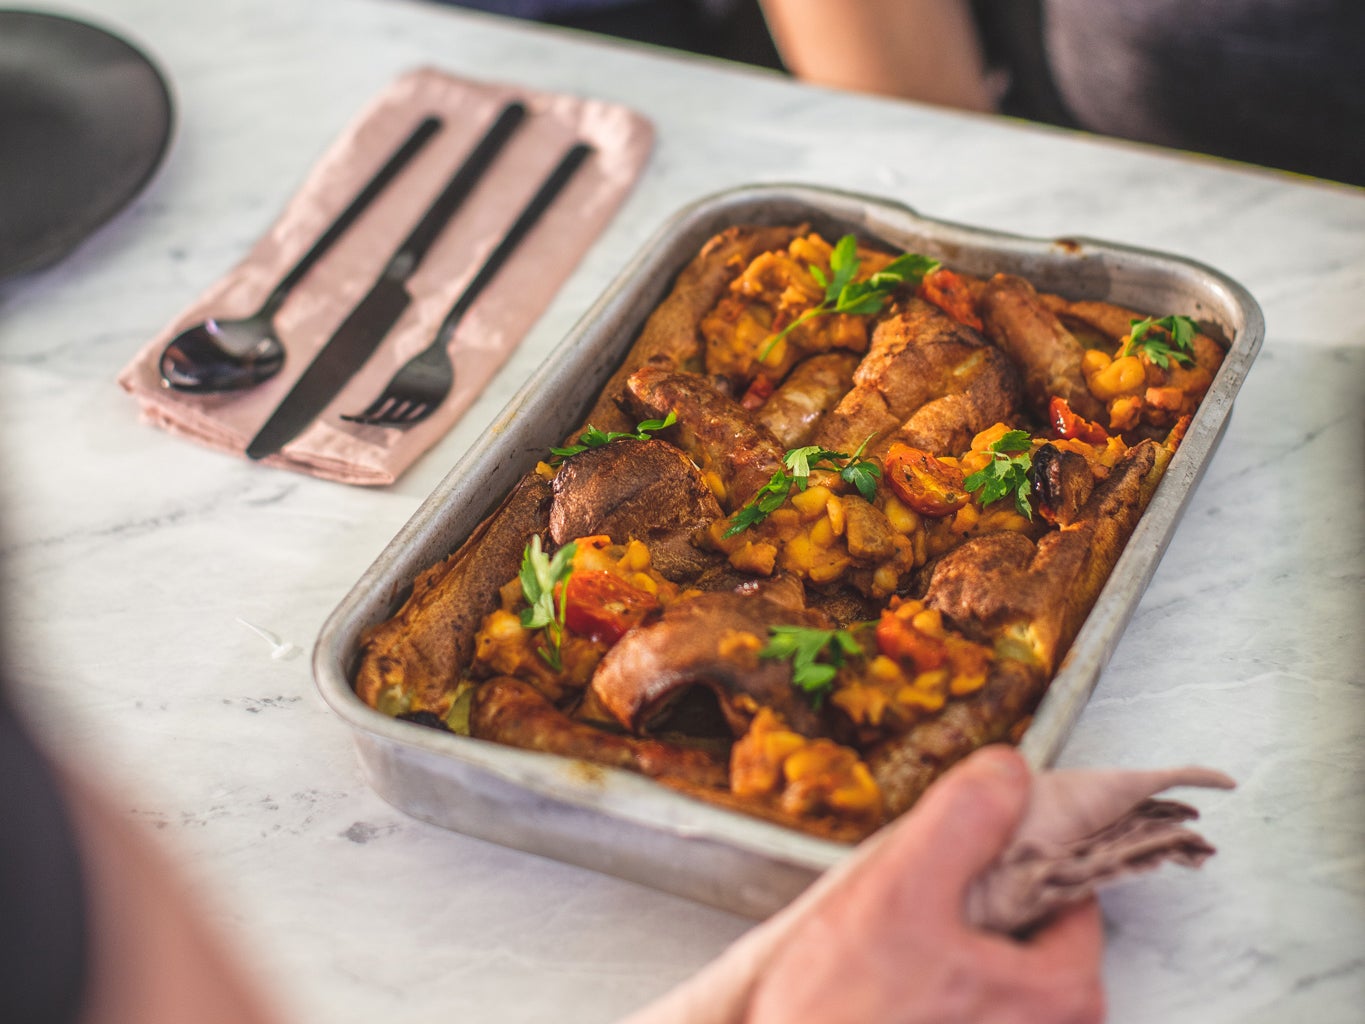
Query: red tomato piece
[
  {"x": 758, "y": 392},
  {"x": 927, "y": 485},
  {"x": 1063, "y": 422},
  {"x": 953, "y": 294},
  {"x": 602, "y": 607},
  {"x": 902, "y": 642}
]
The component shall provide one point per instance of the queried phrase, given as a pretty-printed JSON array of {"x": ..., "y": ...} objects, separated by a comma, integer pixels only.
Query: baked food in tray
[{"x": 832, "y": 522}]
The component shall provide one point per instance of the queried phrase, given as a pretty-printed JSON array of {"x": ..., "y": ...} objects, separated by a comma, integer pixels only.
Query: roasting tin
[{"x": 623, "y": 824}]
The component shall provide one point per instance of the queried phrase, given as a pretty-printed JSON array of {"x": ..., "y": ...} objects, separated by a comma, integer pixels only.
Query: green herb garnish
[
  {"x": 853, "y": 469},
  {"x": 540, "y": 574},
  {"x": 763, "y": 504},
  {"x": 860, "y": 472},
  {"x": 1179, "y": 329},
  {"x": 594, "y": 438},
  {"x": 803, "y": 647},
  {"x": 1007, "y": 472},
  {"x": 860, "y": 298}
]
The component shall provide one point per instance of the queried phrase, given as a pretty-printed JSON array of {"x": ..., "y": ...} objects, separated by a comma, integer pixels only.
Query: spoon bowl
[
  {"x": 223, "y": 355},
  {"x": 229, "y": 355}
]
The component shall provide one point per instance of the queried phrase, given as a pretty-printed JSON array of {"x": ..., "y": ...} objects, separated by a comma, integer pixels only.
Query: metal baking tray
[{"x": 623, "y": 824}]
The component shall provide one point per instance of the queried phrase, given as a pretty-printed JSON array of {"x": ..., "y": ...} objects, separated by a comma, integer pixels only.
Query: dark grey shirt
[{"x": 1274, "y": 82}]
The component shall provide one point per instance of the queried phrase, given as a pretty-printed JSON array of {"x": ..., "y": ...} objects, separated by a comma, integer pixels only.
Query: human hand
[{"x": 891, "y": 944}]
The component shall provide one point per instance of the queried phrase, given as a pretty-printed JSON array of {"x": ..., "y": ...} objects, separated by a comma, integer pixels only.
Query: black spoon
[{"x": 229, "y": 355}]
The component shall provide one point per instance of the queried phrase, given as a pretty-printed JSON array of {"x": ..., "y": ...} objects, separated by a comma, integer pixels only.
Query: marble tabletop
[{"x": 135, "y": 563}]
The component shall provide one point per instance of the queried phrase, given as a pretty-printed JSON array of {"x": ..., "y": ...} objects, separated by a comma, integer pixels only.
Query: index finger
[{"x": 960, "y": 825}]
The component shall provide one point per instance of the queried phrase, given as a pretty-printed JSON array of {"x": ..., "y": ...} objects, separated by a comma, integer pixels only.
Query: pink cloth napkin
[
  {"x": 1083, "y": 829},
  {"x": 331, "y": 447}
]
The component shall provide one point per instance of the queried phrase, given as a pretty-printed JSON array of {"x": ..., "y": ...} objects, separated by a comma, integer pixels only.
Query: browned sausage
[
  {"x": 713, "y": 641},
  {"x": 1017, "y": 320},
  {"x": 508, "y": 710},
  {"x": 718, "y": 433},
  {"x": 812, "y": 389}
]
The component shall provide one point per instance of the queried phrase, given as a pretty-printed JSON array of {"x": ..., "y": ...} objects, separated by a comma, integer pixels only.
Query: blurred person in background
[
  {"x": 729, "y": 29},
  {"x": 1278, "y": 83},
  {"x": 96, "y": 924}
]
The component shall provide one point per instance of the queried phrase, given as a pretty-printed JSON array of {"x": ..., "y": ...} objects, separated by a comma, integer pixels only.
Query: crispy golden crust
[
  {"x": 508, "y": 710},
  {"x": 418, "y": 655},
  {"x": 927, "y": 381},
  {"x": 670, "y": 336}
]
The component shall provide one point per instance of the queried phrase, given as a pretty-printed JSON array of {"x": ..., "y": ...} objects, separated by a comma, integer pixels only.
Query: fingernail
[{"x": 1003, "y": 761}]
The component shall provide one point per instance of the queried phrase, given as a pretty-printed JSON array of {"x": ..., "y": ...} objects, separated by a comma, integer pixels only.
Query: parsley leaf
[
  {"x": 1179, "y": 329},
  {"x": 540, "y": 574},
  {"x": 853, "y": 469},
  {"x": 1007, "y": 472},
  {"x": 798, "y": 460},
  {"x": 763, "y": 504},
  {"x": 803, "y": 647},
  {"x": 594, "y": 438},
  {"x": 862, "y": 473},
  {"x": 858, "y": 298}
]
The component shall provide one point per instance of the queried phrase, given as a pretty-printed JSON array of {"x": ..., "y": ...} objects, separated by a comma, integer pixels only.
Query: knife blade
[{"x": 373, "y": 317}]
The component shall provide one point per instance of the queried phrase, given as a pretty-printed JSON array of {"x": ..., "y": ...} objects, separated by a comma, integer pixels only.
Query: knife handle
[
  {"x": 404, "y": 261},
  {"x": 400, "y": 158}
]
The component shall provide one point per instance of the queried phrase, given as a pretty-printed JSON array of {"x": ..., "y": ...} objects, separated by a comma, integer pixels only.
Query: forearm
[
  {"x": 924, "y": 50},
  {"x": 153, "y": 956}
]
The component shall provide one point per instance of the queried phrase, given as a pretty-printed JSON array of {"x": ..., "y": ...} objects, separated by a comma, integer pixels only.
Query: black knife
[{"x": 366, "y": 325}]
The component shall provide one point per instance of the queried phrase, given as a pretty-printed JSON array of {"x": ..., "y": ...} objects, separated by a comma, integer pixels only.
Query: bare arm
[
  {"x": 924, "y": 50},
  {"x": 155, "y": 959}
]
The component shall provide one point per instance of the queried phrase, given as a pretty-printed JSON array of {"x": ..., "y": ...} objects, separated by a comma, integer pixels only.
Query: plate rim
[{"x": 58, "y": 244}]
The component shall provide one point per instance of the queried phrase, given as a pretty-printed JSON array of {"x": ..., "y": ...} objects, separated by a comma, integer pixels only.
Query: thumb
[{"x": 961, "y": 824}]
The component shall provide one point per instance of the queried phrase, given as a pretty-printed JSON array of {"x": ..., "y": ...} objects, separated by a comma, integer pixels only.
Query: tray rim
[{"x": 657, "y": 808}]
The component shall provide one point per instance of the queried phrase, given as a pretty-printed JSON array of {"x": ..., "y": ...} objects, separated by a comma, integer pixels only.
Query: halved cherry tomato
[
  {"x": 758, "y": 392},
  {"x": 601, "y": 606},
  {"x": 901, "y": 641},
  {"x": 951, "y": 293},
  {"x": 927, "y": 485},
  {"x": 1063, "y": 422}
]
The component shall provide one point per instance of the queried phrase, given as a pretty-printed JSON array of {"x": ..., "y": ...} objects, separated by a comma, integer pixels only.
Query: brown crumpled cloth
[
  {"x": 1082, "y": 830},
  {"x": 331, "y": 447}
]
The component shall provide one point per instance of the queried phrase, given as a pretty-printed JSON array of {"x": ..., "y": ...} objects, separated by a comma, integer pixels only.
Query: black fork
[{"x": 423, "y": 382}]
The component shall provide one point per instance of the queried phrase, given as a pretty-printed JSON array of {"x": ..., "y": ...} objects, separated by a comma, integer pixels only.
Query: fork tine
[
  {"x": 390, "y": 410},
  {"x": 424, "y": 381},
  {"x": 370, "y": 414}
]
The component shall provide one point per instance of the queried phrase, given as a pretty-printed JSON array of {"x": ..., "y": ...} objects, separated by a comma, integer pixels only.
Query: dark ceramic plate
[{"x": 85, "y": 119}]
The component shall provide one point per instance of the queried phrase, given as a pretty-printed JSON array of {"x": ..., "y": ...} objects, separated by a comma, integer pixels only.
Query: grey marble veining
[{"x": 129, "y": 557}]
